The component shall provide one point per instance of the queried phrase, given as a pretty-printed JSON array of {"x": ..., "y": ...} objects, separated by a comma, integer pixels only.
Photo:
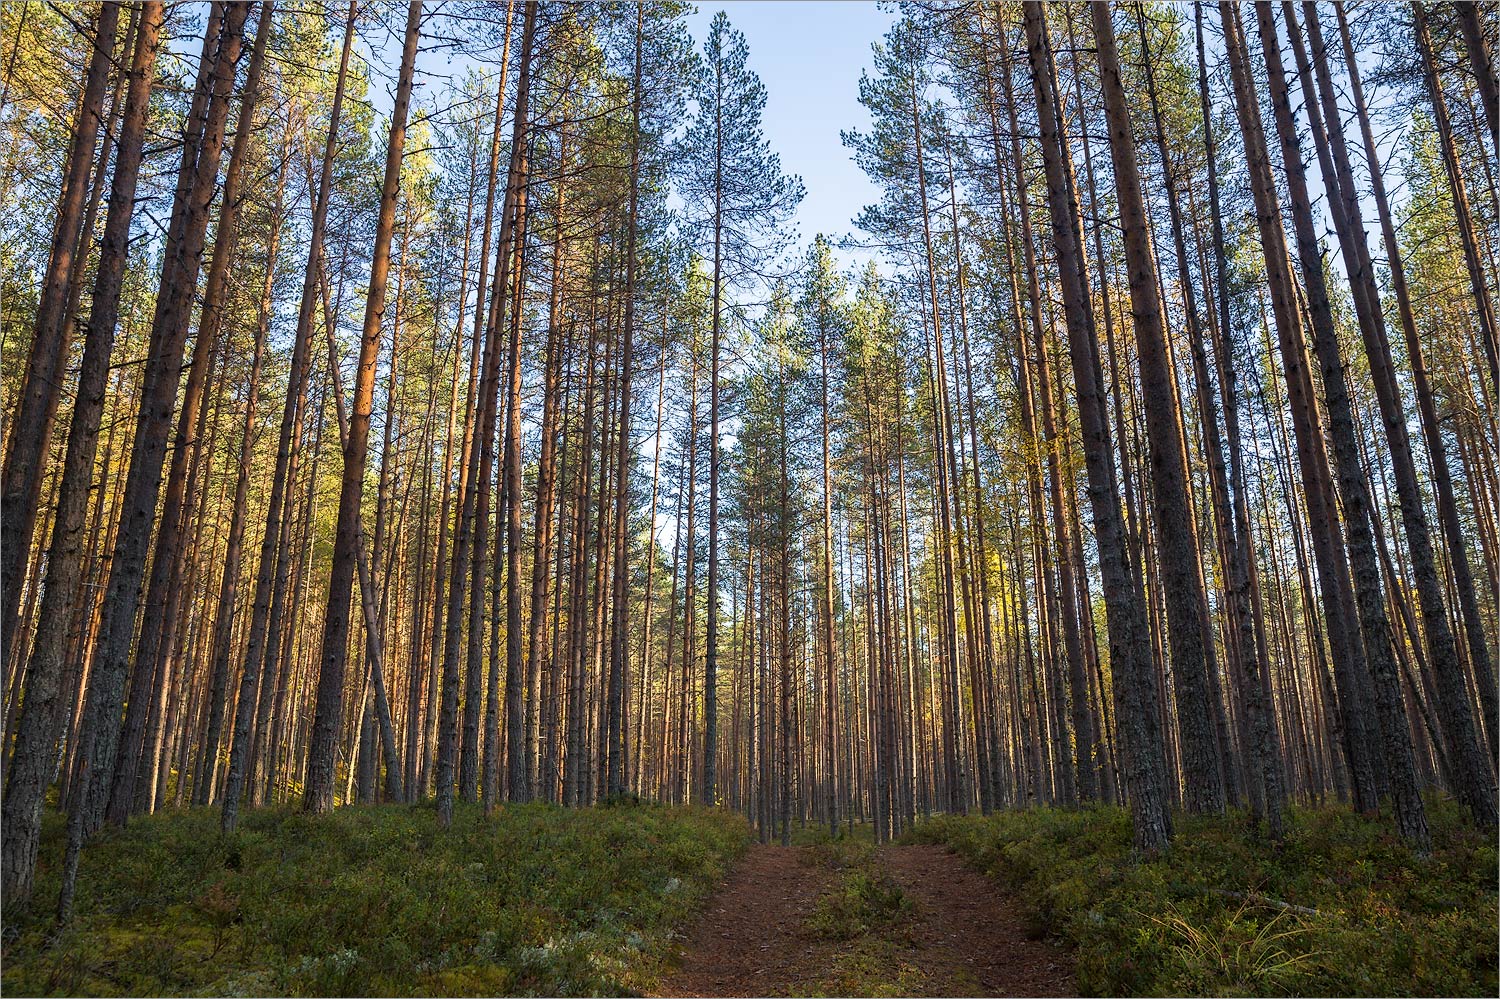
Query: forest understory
[{"x": 635, "y": 899}]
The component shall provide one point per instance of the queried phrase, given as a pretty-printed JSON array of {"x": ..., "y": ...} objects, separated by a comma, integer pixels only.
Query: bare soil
[
  {"x": 962, "y": 937},
  {"x": 750, "y": 940},
  {"x": 969, "y": 931}
]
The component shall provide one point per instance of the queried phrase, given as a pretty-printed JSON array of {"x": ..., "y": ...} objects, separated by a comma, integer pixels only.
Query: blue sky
[{"x": 809, "y": 54}]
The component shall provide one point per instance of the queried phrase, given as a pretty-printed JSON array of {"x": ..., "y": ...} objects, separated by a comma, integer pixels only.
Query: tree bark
[
  {"x": 1471, "y": 763},
  {"x": 204, "y": 785},
  {"x": 319, "y": 792},
  {"x": 1134, "y": 689},
  {"x": 268, "y": 574},
  {"x": 44, "y": 708},
  {"x": 1374, "y": 623},
  {"x": 619, "y": 657},
  {"x": 169, "y": 328},
  {"x": 1477, "y": 48},
  {"x": 36, "y": 409},
  {"x": 164, "y": 589},
  {"x": 1447, "y": 506},
  {"x": 1176, "y": 533}
]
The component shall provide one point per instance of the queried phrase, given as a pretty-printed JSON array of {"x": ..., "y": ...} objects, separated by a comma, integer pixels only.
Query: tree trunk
[
  {"x": 517, "y": 784},
  {"x": 1360, "y": 727},
  {"x": 163, "y": 591},
  {"x": 1472, "y": 769},
  {"x": 1352, "y": 491},
  {"x": 43, "y": 711},
  {"x": 447, "y": 763},
  {"x": 1254, "y": 663},
  {"x": 825, "y": 595},
  {"x": 1447, "y": 506},
  {"x": 36, "y": 409},
  {"x": 546, "y": 484},
  {"x": 169, "y": 328},
  {"x": 368, "y": 600},
  {"x": 319, "y": 792},
  {"x": 271, "y": 548},
  {"x": 1477, "y": 48},
  {"x": 620, "y": 619},
  {"x": 1134, "y": 689},
  {"x": 204, "y": 787},
  {"x": 1176, "y": 533}
]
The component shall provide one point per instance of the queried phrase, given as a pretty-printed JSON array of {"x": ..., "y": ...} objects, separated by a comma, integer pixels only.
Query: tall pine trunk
[
  {"x": 164, "y": 589},
  {"x": 619, "y": 656},
  {"x": 1176, "y": 533},
  {"x": 44, "y": 706},
  {"x": 1360, "y": 728},
  {"x": 319, "y": 790},
  {"x": 1447, "y": 506},
  {"x": 1134, "y": 689},
  {"x": 197, "y": 179},
  {"x": 41, "y": 389},
  {"x": 1475, "y": 785},
  {"x": 271, "y": 547}
]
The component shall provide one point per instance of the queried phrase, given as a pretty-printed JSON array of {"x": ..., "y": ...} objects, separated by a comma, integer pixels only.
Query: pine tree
[{"x": 737, "y": 201}]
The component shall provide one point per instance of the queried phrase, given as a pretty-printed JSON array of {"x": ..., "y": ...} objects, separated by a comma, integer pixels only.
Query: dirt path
[
  {"x": 971, "y": 931},
  {"x": 955, "y": 933},
  {"x": 750, "y": 940}
]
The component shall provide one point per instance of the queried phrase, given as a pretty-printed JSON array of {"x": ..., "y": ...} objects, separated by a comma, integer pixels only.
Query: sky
[
  {"x": 808, "y": 53},
  {"x": 809, "y": 56}
]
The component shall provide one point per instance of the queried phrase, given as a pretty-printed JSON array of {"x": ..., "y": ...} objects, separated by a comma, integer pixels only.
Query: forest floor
[
  {"x": 631, "y": 899},
  {"x": 846, "y": 918},
  {"x": 373, "y": 900},
  {"x": 1338, "y": 906}
]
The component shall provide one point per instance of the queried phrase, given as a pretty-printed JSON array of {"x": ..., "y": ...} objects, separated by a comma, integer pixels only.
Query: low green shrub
[
  {"x": 534, "y": 899},
  {"x": 866, "y": 899},
  {"x": 1339, "y": 907}
]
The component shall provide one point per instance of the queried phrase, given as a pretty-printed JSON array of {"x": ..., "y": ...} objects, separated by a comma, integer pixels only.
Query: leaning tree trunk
[
  {"x": 197, "y": 179},
  {"x": 44, "y": 707},
  {"x": 368, "y": 600},
  {"x": 1484, "y": 307},
  {"x": 446, "y": 763},
  {"x": 1254, "y": 699},
  {"x": 1477, "y": 49},
  {"x": 1134, "y": 689},
  {"x": 41, "y": 389},
  {"x": 1254, "y": 659}
]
